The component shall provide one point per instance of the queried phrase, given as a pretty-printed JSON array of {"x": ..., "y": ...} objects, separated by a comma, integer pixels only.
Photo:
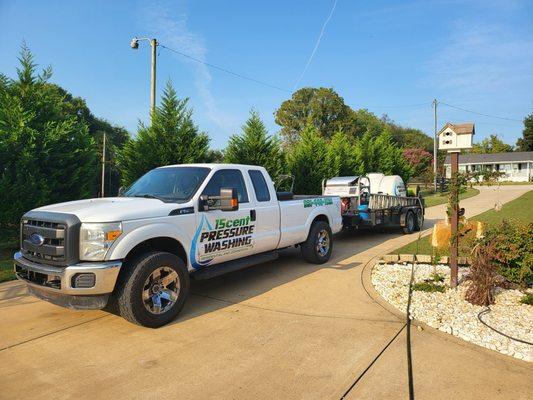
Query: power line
[
  {"x": 225, "y": 70},
  {"x": 316, "y": 44},
  {"x": 478, "y": 113}
]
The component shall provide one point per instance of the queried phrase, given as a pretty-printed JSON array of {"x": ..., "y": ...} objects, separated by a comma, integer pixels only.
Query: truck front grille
[
  {"x": 50, "y": 238},
  {"x": 50, "y": 247}
]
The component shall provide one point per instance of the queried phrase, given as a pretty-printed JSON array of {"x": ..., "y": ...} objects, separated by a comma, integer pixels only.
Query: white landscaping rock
[{"x": 450, "y": 313}]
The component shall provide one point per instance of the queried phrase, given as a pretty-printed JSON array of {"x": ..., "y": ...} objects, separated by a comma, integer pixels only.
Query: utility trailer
[{"x": 376, "y": 200}]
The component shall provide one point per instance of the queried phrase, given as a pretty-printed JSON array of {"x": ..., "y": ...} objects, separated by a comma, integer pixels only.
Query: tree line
[{"x": 51, "y": 143}]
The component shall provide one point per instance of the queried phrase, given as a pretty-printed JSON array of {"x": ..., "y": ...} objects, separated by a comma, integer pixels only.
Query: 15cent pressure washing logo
[{"x": 228, "y": 236}]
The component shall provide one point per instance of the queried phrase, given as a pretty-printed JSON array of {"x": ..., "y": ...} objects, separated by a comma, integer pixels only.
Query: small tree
[
  {"x": 525, "y": 143},
  {"x": 419, "y": 160},
  {"x": 254, "y": 146},
  {"x": 492, "y": 144},
  {"x": 172, "y": 138},
  {"x": 307, "y": 162}
]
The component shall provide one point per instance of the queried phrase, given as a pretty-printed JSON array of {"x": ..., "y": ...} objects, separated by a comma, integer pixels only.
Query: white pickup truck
[{"x": 138, "y": 251}]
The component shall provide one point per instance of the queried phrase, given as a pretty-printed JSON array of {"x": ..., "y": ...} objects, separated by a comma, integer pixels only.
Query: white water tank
[{"x": 387, "y": 184}]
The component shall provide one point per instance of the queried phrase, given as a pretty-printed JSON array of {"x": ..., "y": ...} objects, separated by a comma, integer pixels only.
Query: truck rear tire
[
  {"x": 319, "y": 244},
  {"x": 409, "y": 222},
  {"x": 419, "y": 220},
  {"x": 153, "y": 290}
]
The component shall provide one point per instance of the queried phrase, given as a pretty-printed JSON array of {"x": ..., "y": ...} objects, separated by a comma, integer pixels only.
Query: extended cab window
[
  {"x": 227, "y": 178},
  {"x": 260, "y": 185}
]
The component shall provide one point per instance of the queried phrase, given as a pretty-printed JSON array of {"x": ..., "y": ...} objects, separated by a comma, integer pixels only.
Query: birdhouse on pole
[{"x": 456, "y": 137}]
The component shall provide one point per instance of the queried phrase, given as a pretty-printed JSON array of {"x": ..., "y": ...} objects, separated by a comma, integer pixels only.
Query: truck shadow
[{"x": 239, "y": 286}]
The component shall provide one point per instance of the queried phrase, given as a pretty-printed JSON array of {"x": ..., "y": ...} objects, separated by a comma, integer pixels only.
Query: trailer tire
[
  {"x": 319, "y": 244},
  {"x": 145, "y": 297},
  {"x": 409, "y": 222},
  {"x": 419, "y": 220}
]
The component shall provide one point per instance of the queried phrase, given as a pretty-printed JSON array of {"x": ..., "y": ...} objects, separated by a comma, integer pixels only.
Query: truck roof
[{"x": 212, "y": 165}]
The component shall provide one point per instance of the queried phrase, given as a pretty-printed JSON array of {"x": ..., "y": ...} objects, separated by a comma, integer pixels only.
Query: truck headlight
[{"x": 97, "y": 238}]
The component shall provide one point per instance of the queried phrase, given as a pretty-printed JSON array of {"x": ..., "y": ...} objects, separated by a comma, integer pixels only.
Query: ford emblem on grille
[{"x": 36, "y": 239}]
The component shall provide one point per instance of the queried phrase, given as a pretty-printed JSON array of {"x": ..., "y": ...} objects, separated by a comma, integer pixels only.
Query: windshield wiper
[{"x": 150, "y": 196}]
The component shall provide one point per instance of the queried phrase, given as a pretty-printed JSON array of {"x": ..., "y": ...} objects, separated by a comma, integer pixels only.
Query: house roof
[
  {"x": 460, "y": 129},
  {"x": 524, "y": 156}
]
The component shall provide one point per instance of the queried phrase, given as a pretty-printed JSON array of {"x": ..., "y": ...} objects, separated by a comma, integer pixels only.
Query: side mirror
[
  {"x": 120, "y": 191},
  {"x": 226, "y": 201}
]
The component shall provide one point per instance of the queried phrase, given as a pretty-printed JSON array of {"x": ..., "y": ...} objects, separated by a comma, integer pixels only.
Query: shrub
[
  {"x": 483, "y": 274},
  {"x": 527, "y": 299},
  {"x": 514, "y": 250},
  {"x": 428, "y": 287}
]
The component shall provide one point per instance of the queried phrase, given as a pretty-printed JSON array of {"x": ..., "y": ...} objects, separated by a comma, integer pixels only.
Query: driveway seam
[
  {"x": 52, "y": 333},
  {"x": 293, "y": 312}
]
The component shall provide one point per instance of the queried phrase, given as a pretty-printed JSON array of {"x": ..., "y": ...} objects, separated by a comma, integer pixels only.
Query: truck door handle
[{"x": 252, "y": 215}]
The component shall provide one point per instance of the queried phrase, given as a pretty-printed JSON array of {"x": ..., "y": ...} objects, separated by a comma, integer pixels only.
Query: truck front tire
[
  {"x": 153, "y": 290},
  {"x": 319, "y": 244}
]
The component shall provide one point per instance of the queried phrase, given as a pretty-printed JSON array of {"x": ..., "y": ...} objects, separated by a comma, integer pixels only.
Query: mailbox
[{"x": 456, "y": 137}]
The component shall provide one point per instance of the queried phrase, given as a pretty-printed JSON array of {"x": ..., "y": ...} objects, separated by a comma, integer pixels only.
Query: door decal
[{"x": 228, "y": 236}]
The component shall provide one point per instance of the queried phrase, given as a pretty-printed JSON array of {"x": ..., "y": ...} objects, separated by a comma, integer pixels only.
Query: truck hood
[{"x": 110, "y": 209}]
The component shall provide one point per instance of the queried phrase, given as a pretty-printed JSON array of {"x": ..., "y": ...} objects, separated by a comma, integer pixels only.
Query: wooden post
[{"x": 454, "y": 220}]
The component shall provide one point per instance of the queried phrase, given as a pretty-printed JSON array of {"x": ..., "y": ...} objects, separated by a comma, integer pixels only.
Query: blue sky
[{"x": 387, "y": 56}]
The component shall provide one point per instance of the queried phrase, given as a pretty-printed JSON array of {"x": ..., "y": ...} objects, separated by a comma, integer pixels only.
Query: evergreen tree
[
  {"x": 254, "y": 146},
  {"x": 46, "y": 155},
  {"x": 307, "y": 162},
  {"x": 172, "y": 138}
]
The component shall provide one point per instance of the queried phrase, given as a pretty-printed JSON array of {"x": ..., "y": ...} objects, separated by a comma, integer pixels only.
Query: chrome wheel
[
  {"x": 322, "y": 244},
  {"x": 161, "y": 290}
]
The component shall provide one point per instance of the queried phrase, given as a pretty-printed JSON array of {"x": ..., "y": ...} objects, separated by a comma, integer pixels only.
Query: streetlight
[{"x": 153, "y": 43}]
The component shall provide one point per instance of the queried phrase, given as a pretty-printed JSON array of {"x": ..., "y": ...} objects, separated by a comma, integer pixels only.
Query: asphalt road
[{"x": 286, "y": 329}]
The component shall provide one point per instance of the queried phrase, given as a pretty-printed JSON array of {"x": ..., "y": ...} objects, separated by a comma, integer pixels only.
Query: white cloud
[
  {"x": 169, "y": 26},
  {"x": 482, "y": 59}
]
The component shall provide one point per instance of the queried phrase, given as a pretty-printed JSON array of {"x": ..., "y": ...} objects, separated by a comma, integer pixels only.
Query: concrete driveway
[{"x": 286, "y": 329}]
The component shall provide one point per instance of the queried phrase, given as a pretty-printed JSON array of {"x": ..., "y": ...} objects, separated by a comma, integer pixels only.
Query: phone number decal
[{"x": 317, "y": 202}]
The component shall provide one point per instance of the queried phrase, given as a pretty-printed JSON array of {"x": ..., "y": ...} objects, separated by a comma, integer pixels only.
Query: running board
[{"x": 234, "y": 265}]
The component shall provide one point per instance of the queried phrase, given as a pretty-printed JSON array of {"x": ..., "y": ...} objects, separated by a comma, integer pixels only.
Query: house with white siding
[{"x": 514, "y": 166}]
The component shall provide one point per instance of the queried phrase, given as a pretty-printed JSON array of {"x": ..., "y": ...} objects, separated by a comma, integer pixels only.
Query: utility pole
[
  {"x": 435, "y": 146},
  {"x": 103, "y": 166},
  {"x": 153, "y": 44}
]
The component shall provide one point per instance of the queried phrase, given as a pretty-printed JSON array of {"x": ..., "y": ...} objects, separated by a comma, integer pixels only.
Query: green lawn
[
  {"x": 520, "y": 209},
  {"x": 7, "y": 248},
  {"x": 434, "y": 199}
]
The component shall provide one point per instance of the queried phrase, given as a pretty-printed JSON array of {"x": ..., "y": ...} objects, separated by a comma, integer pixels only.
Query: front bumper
[{"x": 57, "y": 284}]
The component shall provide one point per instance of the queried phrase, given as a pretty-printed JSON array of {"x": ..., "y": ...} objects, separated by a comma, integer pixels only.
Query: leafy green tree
[
  {"x": 322, "y": 107},
  {"x": 340, "y": 155},
  {"x": 492, "y": 144},
  {"x": 525, "y": 143},
  {"x": 254, "y": 146},
  {"x": 172, "y": 138},
  {"x": 328, "y": 113},
  {"x": 46, "y": 154},
  {"x": 307, "y": 162}
]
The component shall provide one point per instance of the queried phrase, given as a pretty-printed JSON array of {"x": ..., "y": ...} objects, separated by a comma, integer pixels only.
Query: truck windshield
[{"x": 174, "y": 184}]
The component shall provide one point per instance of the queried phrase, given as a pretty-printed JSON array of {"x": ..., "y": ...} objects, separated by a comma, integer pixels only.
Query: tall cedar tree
[
  {"x": 254, "y": 146},
  {"x": 172, "y": 138},
  {"x": 340, "y": 155},
  {"x": 47, "y": 155},
  {"x": 307, "y": 161}
]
